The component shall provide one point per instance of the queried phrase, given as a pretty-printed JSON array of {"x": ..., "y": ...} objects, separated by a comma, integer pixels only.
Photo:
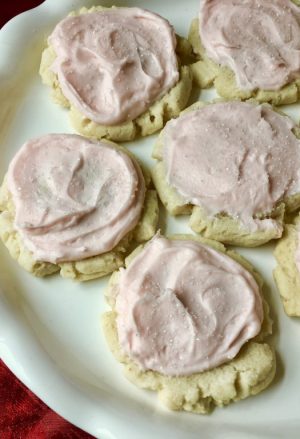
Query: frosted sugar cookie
[
  {"x": 287, "y": 271},
  {"x": 188, "y": 321},
  {"x": 248, "y": 49},
  {"x": 73, "y": 205},
  {"x": 109, "y": 66},
  {"x": 234, "y": 166}
]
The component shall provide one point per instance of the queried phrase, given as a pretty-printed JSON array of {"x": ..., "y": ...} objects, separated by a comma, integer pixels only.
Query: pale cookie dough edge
[
  {"x": 250, "y": 372},
  {"x": 286, "y": 274},
  {"x": 148, "y": 123},
  {"x": 89, "y": 268},
  {"x": 206, "y": 73},
  {"x": 221, "y": 227}
]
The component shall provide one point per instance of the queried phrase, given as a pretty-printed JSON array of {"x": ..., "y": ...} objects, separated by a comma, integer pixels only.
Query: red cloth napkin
[
  {"x": 22, "y": 414},
  {"x": 9, "y": 9}
]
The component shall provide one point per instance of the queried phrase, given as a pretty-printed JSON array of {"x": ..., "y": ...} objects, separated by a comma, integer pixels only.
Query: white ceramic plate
[{"x": 50, "y": 334}]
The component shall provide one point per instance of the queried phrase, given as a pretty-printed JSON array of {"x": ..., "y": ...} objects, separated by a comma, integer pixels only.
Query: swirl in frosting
[
  {"x": 233, "y": 157},
  {"x": 113, "y": 64},
  {"x": 183, "y": 307},
  {"x": 258, "y": 39},
  {"x": 74, "y": 198}
]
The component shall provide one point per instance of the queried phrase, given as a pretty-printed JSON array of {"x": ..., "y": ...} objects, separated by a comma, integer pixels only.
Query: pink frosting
[
  {"x": 112, "y": 65},
  {"x": 74, "y": 198},
  {"x": 233, "y": 157},
  {"x": 258, "y": 39},
  {"x": 185, "y": 308}
]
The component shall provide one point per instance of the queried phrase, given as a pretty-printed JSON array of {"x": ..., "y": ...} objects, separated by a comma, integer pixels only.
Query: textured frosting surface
[
  {"x": 185, "y": 308},
  {"x": 74, "y": 198},
  {"x": 258, "y": 39},
  {"x": 113, "y": 64},
  {"x": 233, "y": 157}
]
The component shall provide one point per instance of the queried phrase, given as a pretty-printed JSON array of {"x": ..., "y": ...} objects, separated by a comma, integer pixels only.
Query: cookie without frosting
[
  {"x": 226, "y": 165},
  {"x": 63, "y": 210},
  {"x": 137, "y": 95},
  {"x": 248, "y": 373},
  {"x": 250, "y": 54},
  {"x": 286, "y": 274}
]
